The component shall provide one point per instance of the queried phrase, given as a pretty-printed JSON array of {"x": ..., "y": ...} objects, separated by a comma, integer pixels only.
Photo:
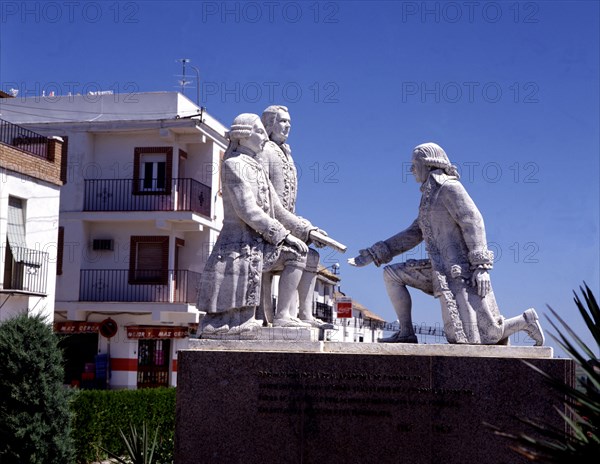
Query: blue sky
[{"x": 509, "y": 89}]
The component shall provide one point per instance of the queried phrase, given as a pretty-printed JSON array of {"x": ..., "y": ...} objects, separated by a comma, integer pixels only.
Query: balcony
[
  {"x": 24, "y": 139},
  {"x": 120, "y": 195},
  {"x": 323, "y": 311},
  {"x": 25, "y": 271},
  {"x": 123, "y": 285}
]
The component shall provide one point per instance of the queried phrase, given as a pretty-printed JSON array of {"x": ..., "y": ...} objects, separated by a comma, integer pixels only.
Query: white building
[
  {"x": 363, "y": 326},
  {"x": 358, "y": 325},
  {"x": 139, "y": 211},
  {"x": 30, "y": 182}
]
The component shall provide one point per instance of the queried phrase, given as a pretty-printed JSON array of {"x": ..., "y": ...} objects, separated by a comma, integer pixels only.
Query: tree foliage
[{"x": 34, "y": 403}]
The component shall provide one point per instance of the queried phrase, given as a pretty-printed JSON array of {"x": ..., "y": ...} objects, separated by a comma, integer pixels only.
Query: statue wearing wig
[
  {"x": 258, "y": 235},
  {"x": 276, "y": 158},
  {"x": 457, "y": 270}
]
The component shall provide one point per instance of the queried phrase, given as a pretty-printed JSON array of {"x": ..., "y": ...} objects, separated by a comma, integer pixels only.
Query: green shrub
[
  {"x": 99, "y": 414},
  {"x": 34, "y": 403}
]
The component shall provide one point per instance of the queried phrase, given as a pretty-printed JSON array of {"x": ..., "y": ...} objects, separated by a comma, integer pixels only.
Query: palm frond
[{"x": 581, "y": 414}]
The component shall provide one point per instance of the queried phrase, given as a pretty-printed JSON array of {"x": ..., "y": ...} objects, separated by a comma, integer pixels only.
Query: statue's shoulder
[
  {"x": 441, "y": 179},
  {"x": 271, "y": 150},
  {"x": 238, "y": 162}
]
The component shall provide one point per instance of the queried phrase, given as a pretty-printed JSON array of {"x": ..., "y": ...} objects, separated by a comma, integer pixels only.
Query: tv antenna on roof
[{"x": 183, "y": 82}]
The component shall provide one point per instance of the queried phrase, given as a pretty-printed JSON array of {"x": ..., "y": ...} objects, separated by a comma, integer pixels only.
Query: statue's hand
[
  {"x": 481, "y": 279},
  {"x": 315, "y": 241},
  {"x": 296, "y": 243},
  {"x": 363, "y": 258}
]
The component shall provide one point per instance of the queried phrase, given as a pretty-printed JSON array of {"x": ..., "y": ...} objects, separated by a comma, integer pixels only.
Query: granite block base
[{"x": 322, "y": 407}]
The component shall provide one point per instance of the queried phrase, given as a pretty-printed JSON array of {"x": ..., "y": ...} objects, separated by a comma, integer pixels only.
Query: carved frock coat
[
  {"x": 255, "y": 225},
  {"x": 454, "y": 234},
  {"x": 279, "y": 165}
]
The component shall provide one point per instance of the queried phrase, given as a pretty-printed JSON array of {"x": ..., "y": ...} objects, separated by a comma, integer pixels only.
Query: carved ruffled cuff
[
  {"x": 481, "y": 259},
  {"x": 276, "y": 234},
  {"x": 380, "y": 253},
  {"x": 302, "y": 229}
]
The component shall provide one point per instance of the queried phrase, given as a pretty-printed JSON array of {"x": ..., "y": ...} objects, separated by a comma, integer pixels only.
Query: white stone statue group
[{"x": 262, "y": 236}]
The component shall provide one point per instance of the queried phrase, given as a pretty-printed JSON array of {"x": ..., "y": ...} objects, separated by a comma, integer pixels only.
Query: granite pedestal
[{"x": 329, "y": 403}]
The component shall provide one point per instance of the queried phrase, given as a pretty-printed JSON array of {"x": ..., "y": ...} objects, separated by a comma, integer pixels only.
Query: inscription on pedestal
[
  {"x": 353, "y": 393},
  {"x": 298, "y": 407}
]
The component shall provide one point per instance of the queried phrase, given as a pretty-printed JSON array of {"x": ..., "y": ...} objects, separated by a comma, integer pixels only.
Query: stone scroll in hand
[{"x": 327, "y": 241}]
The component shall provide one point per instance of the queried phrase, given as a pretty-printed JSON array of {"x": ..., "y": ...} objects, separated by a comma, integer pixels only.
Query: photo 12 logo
[
  {"x": 270, "y": 92},
  {"x": 490, "y": 172},
  {"x": 126, "y": 92},
  {"x": 270, "y": 12},
  {"x": 69, "y": 12},
  {"x": 469, "y": 92},
  {"x": 470, "y": 12}
]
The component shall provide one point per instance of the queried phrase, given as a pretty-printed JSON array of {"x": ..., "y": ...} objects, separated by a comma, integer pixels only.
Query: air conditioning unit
[{"x": 103, "y": 244}]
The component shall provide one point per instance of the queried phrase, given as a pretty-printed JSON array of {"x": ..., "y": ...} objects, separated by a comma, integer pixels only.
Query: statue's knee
[{"x": 392, "y": 276}]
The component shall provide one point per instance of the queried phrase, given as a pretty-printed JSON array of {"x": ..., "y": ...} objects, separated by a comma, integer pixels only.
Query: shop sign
[
  {"x": 344, "y": 307},
  {"x": 76, "y": 327},
  {"x": 140, "y": 332}
]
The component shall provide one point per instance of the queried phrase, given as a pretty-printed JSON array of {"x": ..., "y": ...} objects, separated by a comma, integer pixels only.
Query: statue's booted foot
[
  {"x": 292, "y": 322},
  {"x": 318, "y": 324},
  {"x": 213, "y": 324},
  {"x": 397, "y": 338},
  {"x": 534, "y": 329},
  {"x": 251, "y": 325}
]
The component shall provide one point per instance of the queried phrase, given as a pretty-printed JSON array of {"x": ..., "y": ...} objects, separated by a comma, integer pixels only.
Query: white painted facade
[
  {"x": 41, "y": 209},
  {"x": 179, "y": 212},
  {"x": 363, "y": 327}
]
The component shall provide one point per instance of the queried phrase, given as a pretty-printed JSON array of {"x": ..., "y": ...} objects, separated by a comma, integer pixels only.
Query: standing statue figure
[
  {"x": 258, "y": 235},
  {"x": 276, "y": 158},
  {"x": 457, "y": 270}
]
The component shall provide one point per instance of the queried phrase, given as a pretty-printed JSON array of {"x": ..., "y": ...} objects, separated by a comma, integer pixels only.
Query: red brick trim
[{"x": 21, "y": 162}]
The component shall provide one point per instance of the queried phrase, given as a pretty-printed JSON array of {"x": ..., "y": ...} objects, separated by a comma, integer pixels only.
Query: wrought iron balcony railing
[
  {"x": 141, "y": 195},
  {"x": 23, "y": 139},
  {"x": 324, "y": 312},
  {"x": 168, "y": 286},
  {"x": 26, "y": 270}
]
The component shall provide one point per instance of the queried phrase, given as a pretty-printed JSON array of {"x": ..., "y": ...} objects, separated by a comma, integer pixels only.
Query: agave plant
[
  {"x": 139, "y": 447},
  {"x": 582, "y": 445}
]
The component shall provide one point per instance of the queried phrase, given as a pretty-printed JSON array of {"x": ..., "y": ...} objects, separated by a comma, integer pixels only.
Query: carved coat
[
  {"x": 279, "y": 165},
  {"x": 454, "y": 235},
  {"x": 254, "y": 227}
]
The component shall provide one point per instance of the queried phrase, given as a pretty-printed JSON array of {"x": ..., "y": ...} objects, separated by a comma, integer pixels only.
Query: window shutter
[
  {"x": 60, "y": 249},
  {"x": 149, "y": 259}
]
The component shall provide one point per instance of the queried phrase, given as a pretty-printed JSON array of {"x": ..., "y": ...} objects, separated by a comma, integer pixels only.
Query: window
[
  {"x": 24, "y": 268},
  {"x": 149, "y": 260},
  {"x": 15, "y": 226},
  {"x": 152, "y": 170}
]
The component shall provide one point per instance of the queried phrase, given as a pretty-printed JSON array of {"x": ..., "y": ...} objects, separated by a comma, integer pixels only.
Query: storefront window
[{"x": 153, "y": 363}]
